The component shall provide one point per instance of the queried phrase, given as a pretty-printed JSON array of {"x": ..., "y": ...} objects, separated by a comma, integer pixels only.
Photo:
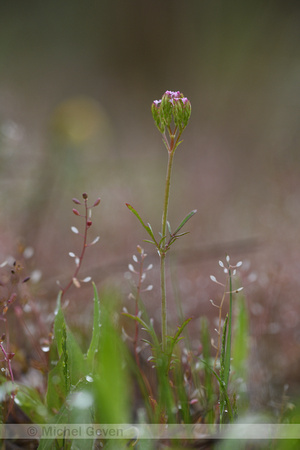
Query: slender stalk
[
  {"x": 171, "y": 152},
  {"x": 7, "y": 359}
]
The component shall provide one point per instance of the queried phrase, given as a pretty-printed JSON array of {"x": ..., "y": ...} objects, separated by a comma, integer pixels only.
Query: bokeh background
[{"x": 77, "y": 80}]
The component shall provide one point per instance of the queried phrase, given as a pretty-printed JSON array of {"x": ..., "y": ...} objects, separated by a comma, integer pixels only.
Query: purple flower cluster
[
  {"x": 172, "y": 108},
  {"x": 176, "y": 96}
]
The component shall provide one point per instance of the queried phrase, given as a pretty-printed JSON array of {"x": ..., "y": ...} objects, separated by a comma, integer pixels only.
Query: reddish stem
[
  {"x": 87, "y": 226},
  {"x": 8, "y": 361}
]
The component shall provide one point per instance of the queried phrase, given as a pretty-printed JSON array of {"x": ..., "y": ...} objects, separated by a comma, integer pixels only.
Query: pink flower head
[
  {"x": 173, "y": 94},
  {"x": 172, "y": 108},
  {"x": 177, "y": 94}
]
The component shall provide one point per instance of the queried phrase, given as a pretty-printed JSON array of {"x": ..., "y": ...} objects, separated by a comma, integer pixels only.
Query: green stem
[{"x": 171, "y": 152}]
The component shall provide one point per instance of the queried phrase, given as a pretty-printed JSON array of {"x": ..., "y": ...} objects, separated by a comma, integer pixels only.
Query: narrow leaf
[
  {"x": 169, "y": 228},
  {"x": 191, "y": 214},
  {"x": 147, "y": 227}
]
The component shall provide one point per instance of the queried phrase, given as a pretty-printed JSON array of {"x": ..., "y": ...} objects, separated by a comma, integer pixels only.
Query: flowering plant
[{"x": 171, "y": 115}]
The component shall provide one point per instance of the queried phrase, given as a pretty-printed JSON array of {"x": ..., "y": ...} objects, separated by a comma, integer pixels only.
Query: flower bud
[
  {"x": 97, "y": 202},
  {"x": 166, "y": 109},
  {"x": 76, "y": 201},
  {"x": 156, "y": 116}
]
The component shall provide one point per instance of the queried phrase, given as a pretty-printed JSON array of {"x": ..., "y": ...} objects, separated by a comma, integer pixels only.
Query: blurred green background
[{"x": 77, "y": 79}]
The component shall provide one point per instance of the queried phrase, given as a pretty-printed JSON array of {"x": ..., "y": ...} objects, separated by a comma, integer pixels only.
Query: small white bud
[
  {"x": 86, "y": 279},
  {"x": 149, "y": 288},
  {"x": 76, "y": 282},
  {"x": 95, "y": 240},
  {"x": 131, "y": 268}
]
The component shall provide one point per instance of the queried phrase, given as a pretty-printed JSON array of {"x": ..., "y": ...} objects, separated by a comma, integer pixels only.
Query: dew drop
[
  {"x": 28, "y": 252},
  {"x": 82, "y": 400},
  {"x": 35, "y": 276},
  {"x": 45, "y": 348},
  {"x": 56, "y": 380},
  {"x": 27, "y": 308}
]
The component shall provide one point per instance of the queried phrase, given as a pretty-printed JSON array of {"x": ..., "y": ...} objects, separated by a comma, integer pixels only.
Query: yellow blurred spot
[{"x": 79, "y": 119}]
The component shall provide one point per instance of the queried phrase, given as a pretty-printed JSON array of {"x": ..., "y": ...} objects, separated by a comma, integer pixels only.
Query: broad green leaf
[
  {"x": 57, "y": 387},
  {"x": 94, "y": 345},
  {"x": 111, "y": 383},
  {"x": 78, "y": 409},
  {"x": 71, "y": 365},
  {"x": 67, "y": 344}
]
